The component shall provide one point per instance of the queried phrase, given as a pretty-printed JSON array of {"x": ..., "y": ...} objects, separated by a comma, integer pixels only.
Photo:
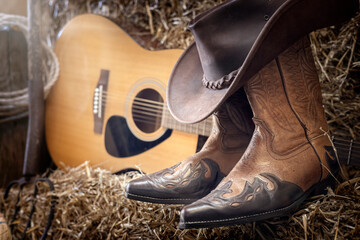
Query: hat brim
[
  {"x": 189, "y": 101},
  {"x": 186, "y": 89}
]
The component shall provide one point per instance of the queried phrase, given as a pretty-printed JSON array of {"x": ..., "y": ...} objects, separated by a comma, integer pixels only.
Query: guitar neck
[
  {"x": 348, "y": 151},
  {"x": 201, "y": 128}
]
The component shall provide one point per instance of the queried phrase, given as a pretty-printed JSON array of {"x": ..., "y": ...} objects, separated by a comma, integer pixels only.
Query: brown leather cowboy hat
[{"x": 235, "y": 40}]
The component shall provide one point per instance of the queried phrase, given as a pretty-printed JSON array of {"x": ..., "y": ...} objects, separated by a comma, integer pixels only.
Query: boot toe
[
  {"x": 144, "y": 189},
  {"x": 215, "y": 210},
  {"x": 140, "y": 189},
  {"x": 191, "y": 185},
  {"x": 196, "y": 215}
]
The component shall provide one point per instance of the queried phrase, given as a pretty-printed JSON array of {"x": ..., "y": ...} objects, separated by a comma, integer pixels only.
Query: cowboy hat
[{"x": 235, "y": 40}]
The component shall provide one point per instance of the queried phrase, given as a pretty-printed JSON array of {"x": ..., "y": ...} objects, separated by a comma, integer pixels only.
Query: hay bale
[
  {"x": 91, "y": 205},
  {"x": 5, "y": 233},
  {"x": 91, "y": 202},
  {"x": 337, "y": 54}
]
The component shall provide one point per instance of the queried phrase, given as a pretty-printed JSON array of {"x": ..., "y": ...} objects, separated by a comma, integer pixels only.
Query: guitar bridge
[{"x": 99, "y": 101}]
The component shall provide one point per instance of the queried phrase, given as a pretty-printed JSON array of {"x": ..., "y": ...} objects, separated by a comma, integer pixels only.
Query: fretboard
[
  {"x": 201, "y": 128},
  {"x": 348, "y": 151}
]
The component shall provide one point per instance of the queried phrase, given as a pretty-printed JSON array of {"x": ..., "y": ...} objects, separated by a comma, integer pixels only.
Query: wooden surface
[
  {"x": 12, "y": 134},
  {"x": 89, "y": 44},
  {"x": 13, "y": 75},
  {"x": 17, "y": 7}
]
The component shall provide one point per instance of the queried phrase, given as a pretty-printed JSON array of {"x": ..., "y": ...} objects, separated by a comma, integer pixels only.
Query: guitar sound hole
[{"x": 147, "y": 110}]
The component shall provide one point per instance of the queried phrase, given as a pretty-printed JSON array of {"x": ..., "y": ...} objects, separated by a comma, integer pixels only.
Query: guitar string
[
  {"x": 340, "y": 148},
  {"x": 139, "y": 104},
  {"x": 159, "y": 114},
  {"x": 347, "y": 150},
  {"x": 353, "y": 156},
  {"x": 149, "y": 111},
  {"x": 161, "y": 106},
  {"x": 344, "y": 141},
  {"x": 197, "y": 128},
  {"x": 152, "y": 107},
  {"x": 338, "y": 138},
  {"x": 345, "y": 156},
  {"x": 140, "y": 117},
  {"x": 200, "y": 130},
  {"x": 165, "y": 108},
  {"x": 116, "y": 97},
  {"x": 152, "y": 102},
  {"x": 145, "y": 119},
  {"x": 190, "y": 129},
  {"x": 147, "y": 107},
  {"x": 345, "y": 146},
  {"x": 354, "y": 147},
  {"x": 348, "y": 145},
  {"x": 343, "y": 149}
]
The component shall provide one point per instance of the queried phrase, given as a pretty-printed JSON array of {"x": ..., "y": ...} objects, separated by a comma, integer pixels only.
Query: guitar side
[{"x": 88, "y": 46}]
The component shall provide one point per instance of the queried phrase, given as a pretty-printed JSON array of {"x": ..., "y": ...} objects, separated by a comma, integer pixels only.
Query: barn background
[{"x": 90, "y": 202}]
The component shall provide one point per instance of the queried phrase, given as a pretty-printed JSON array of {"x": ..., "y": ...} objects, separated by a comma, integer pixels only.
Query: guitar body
[{"x": 106, "y": 106}]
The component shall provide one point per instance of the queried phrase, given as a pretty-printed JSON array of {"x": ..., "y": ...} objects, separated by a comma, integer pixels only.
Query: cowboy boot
[
  {"x": 196, "y": 176},
  {"x": 289, "y": 156}
]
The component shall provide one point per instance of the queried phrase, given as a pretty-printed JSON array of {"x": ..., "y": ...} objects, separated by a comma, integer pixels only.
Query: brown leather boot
[
  {"x": 197, "y": 175},
  {"x": 289, "y": 156}
]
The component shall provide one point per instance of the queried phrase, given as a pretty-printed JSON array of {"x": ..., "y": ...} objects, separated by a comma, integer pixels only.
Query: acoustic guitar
[{"x": 108, "y": 105}]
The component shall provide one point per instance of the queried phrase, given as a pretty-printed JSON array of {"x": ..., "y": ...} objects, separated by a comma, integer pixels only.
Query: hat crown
[
  {"x": 236, "y": 40},
  {"x": 219, "y": 34}
]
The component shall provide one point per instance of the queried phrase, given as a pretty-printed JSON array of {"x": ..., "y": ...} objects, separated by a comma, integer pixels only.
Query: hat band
[{"x": 221, "y": 83}]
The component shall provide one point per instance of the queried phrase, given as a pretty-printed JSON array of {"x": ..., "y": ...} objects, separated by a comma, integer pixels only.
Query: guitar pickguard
[{"x": 121, "y": 142}]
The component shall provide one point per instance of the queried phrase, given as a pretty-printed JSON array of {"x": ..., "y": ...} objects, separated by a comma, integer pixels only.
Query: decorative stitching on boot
[
  {"x": 256, "y": 193},
  {"x": 147, "y": 197},
  {"x": 246, "y": 216},
  {"x": 298, "y": 201}
]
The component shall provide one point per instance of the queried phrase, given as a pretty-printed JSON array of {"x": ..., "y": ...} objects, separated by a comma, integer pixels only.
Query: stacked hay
[
  {"x": 91, "y": 205},
  {"x": 5, "y": 233},
  {"x": 337, "y": 54},
  {"x": 91, "y": 202}
]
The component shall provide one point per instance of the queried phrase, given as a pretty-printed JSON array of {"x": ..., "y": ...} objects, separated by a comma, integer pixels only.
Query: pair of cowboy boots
[
  {"x": 200, "y": 173},
  {"x": 288, "y": 157}
]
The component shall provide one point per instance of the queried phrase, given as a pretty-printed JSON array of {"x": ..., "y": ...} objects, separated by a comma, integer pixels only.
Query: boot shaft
[
  {"x": 302, "y": 86},
  {"x": 286, "y": 98},
  {"x": 232, "y": 124}
]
